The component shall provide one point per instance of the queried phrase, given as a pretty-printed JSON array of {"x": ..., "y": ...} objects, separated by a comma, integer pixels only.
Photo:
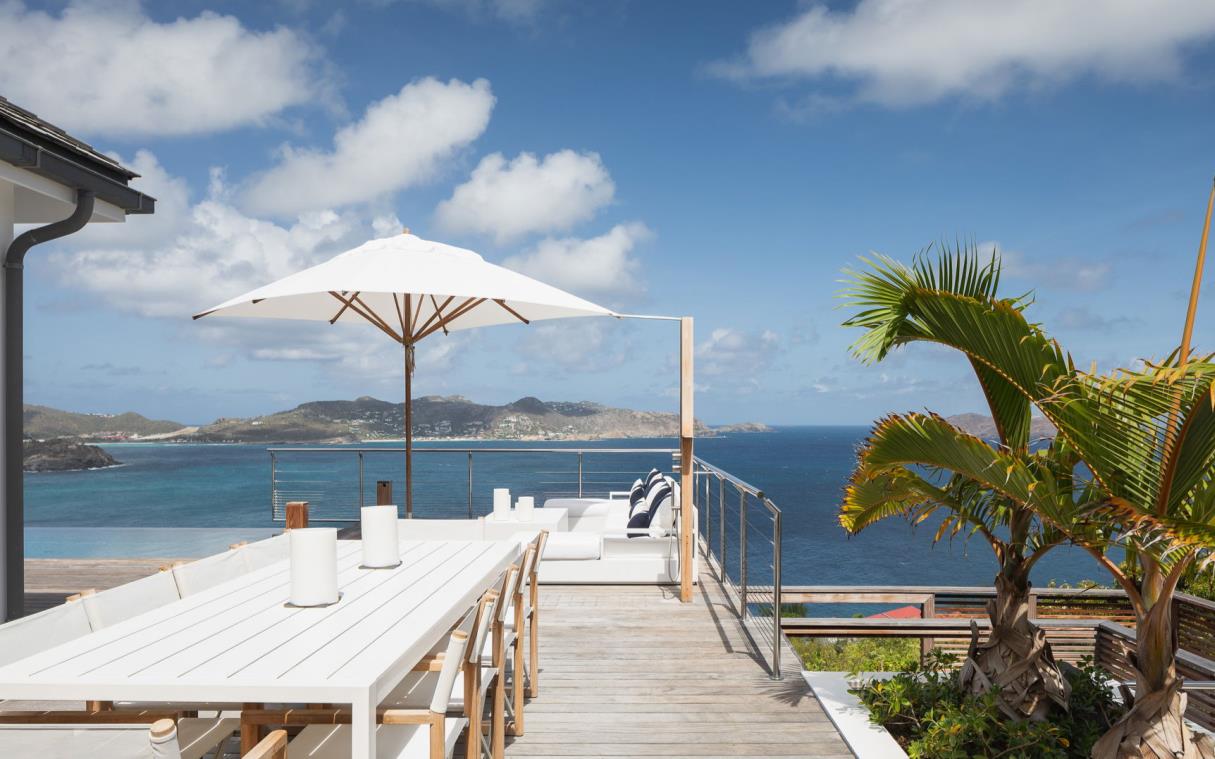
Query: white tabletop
[{"x": 238, "y": 642}]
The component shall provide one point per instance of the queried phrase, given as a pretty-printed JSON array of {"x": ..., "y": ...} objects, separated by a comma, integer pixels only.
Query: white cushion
[
  {"x": 617, "y": 519},
  {"x": 38, "y": 632},
  {"x": 131, "y": 599},
  {"x": 391, "y": 741},
  {"x": 577, "y": 508},
  {"x": 577, "y": 546},
  {"x": 195, "y": 737}
]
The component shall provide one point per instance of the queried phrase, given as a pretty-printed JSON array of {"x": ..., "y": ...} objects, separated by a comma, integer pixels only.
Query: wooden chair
[
  {"x": 530, "y": 615},
  {"x": 470, "y": 691},
  {"x": 426, "y": 733}
]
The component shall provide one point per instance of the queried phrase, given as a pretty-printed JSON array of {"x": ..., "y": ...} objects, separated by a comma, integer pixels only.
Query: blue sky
[{"x": 715, "y": 159}]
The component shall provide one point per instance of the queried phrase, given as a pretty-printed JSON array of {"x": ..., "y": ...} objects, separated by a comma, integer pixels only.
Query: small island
[{"x": 61, "y": 455}]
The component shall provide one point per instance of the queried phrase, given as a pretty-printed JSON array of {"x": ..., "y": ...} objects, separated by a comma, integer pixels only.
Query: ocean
[{"x": 179, "y": 500}]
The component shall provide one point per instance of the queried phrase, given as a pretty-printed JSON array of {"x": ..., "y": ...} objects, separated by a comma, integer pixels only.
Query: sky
[{"x": 720, "y": 160}]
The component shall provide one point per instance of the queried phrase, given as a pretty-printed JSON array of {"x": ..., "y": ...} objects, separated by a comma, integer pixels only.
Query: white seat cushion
[
  {"x": 391, "y": 741},
  {"x": 416, "y": 690},
  {"x": 195, "y": 737},
  {"x": 263, "y": 553},
  {"x": 131, "y": 599},
  {"x": 573, "y": 546},
  {"x": 38, "y": 632}
]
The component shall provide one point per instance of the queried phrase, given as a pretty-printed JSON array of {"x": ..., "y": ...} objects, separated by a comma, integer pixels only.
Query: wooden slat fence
[{"x": 1115, "y": 646}]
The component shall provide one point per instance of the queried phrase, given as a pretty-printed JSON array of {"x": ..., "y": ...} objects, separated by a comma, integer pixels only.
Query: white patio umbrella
[{"x": 410, "y": 289}]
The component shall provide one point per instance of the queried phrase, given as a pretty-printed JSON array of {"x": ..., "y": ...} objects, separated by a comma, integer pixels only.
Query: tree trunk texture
[
  {"x": 1016, "y": 657},
  {"x": 1155, "y": 727}
]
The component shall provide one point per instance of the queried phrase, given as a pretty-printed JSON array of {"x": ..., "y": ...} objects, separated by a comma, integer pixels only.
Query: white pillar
[{"x": 7, "y": 219}]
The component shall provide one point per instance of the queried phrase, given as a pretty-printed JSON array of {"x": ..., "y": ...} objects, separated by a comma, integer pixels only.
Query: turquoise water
[{"x": 222, "y": 492}]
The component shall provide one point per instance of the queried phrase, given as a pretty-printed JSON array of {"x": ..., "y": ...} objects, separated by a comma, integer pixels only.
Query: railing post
[
  {"x": 928, "y": 610},
  {"x": 360, "y": 479},
  {"x": 297, "y": 515},
  {"x": 273, "y": 483},
  {"x": 708, "y": 525},
  {"x": 470, "y": 484},
  {"x": 742, "y": 553},
  {"x": 721, "y": 527},
  {"x": 383, "y": 492},
  {"x": 776, "y": 596},
  {"x": 579, "y": 474}
]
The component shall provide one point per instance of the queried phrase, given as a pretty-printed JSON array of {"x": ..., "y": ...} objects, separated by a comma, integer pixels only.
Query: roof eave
[{"x": 47, "y": 162}]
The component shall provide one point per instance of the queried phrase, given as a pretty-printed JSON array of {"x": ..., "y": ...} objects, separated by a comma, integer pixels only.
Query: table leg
[{"x": 362, "y": 728}]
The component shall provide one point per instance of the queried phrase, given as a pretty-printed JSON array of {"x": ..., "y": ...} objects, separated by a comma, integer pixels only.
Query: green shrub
[
  {"x": 926, "y": 712},
  {"x": 857, "y": 654}
]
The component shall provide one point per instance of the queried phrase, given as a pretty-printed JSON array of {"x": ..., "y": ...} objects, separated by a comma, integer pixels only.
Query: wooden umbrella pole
[
  {"x": 1188, "y": 332},
  {"x": 409, "y": 430}
]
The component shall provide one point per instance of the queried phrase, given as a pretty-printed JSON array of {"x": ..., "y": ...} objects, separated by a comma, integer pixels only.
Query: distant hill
[
  {"x": 981, "y": 425},
  {"x": 43, "y": 422},
  {"x": 446, "y": 417}
]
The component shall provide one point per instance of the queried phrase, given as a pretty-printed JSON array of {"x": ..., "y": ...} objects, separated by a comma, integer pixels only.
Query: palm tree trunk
[
  {"x": 1154, "y": 727},
  {"x": 1016, "y": 657}
]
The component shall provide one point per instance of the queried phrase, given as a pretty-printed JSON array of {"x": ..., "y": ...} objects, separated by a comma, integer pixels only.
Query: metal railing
[
  {"x": 747, "y": 556},
  {"x": 337, "y": 480}
]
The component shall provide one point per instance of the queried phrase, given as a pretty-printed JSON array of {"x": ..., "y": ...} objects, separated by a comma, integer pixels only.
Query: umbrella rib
[
  {"x": 437, "y": 314},
  {"x": 460, "y": 310},
  {"x": 374, "y": 320},
  {"x": 382, "y": 321},
  {"x": 341, "y": 311},
  {"x": 400, "y": 314},
  {"x": 435, "y": 303},
  {"x": 510, "y": 310}
]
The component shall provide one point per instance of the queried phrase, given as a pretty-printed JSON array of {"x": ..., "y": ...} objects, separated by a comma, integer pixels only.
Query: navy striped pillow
[
  {"x": 639, "y": 521},
  {"x": 636, "y": 494}
]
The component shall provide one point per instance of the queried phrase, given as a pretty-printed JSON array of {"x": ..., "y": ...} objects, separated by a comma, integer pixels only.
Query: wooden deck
[
  {"x": 630, "y": 671},
  {"x": 625, "y": 671}
]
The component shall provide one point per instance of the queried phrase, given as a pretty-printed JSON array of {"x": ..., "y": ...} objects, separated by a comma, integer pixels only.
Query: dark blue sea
[{"x": 170, "y": 500}]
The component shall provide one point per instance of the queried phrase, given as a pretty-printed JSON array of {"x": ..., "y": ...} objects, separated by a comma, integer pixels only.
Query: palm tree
[
  {"x": 917, "y": 466},
  {"x": 1145, "y": 438}
]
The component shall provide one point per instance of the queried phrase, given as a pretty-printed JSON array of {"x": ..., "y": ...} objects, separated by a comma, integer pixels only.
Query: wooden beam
[
  {"x": 687, "y": 537},
  {"x": 383, "y": 493},
  {"x": 341, "y": 311},
  {"x": 438, "y": 314},
  {"x": 435, "y": 303},
  {"x": 459, "y": 311}
]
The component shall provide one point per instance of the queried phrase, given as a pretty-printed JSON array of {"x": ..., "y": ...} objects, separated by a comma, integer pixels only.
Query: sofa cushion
[
  {"x": 651, "y": 478},
  {"x": 573, "y": 546},
  {"x": 636, "y": 493},
  {"x": 662, "y": 514},
  {"x": 639, "y": 521}
]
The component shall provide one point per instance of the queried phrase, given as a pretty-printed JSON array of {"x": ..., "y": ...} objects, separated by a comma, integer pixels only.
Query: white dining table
[{"x": 239, "y": 642}]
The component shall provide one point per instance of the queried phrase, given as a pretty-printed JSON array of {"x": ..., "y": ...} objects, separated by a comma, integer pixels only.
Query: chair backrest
[
  {"x": 510, "y": 585},
  {"x": 263, "y": 553},
  {"x": 163, "y": 739},
  {"x": 46, "y": 629},
  {"x": 131, "y": 599},
  {"x": 456, "y": 646},
  {"x": 485, "y": 620},
  {"x": 526, "y": 568},
  {"x": 197, "y": 576}
]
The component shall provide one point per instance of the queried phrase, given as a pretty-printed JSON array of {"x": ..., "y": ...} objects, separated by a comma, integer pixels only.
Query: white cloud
[
  {"x": 599, "y": 265},
  {"x": 211, "y": 252},
  {"x": 108, "y": 68},
  {"x": 508, "y": 199},
  {"x": 1056, "y": 272},
  {"x": 735, "y": 353},
  {"x": 576, "y": 345},
  {"x": 909, "y": 52},
  {"x": 515, "y": 11},
  {"x": 400, "y": 141}
]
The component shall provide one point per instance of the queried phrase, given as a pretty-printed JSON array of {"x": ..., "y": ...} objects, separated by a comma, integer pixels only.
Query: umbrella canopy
[{"x": 409, "y": 288}]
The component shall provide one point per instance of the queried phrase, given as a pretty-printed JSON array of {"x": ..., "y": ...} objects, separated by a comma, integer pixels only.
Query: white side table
[{"x": 553, "y": 520}]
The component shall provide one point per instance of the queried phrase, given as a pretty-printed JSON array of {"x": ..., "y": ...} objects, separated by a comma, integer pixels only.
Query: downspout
[{"x": 12, "y": 551}]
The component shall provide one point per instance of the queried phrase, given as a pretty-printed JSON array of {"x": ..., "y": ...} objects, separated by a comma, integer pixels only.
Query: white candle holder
[
  {"x": 381, "y": 546},
  {"x": 501, "y": 503},
  {"x": 313, "y": 567},
  {"x": 525, "y": 508}
]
